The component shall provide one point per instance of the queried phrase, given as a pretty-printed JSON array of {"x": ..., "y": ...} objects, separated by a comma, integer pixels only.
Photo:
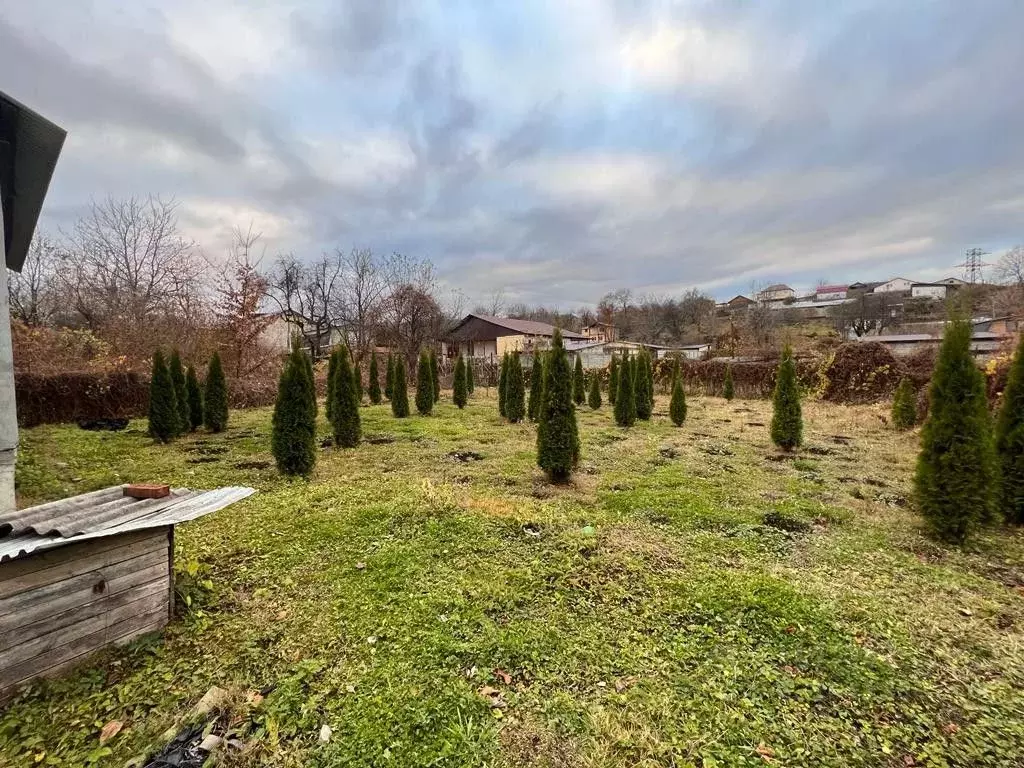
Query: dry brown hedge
[{"x": 69, "y": 397}]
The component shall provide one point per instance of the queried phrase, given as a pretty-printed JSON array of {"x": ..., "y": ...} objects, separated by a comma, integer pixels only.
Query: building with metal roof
[{"x": 486, "y": 337}]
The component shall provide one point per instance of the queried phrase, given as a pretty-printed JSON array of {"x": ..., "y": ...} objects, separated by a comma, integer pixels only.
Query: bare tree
[
  {"x": 127, "y": 263},
  {"x": 1010, "y": 266},
  {"x": 241, "y": 291},
  {"x": 365, "y": 284},
  {"x": 33, "y": 291},
  {"x": 309, "y": 297}
]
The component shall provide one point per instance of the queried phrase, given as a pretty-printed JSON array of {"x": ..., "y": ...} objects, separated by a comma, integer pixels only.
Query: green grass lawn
[{"x": 692, "y": 599}]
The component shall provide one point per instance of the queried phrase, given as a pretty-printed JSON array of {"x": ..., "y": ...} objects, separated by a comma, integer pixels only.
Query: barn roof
[
  {"x": 29, "y": 147},
  {"x": 525, "y": 327},
  {"x": 106, "y": 512}
]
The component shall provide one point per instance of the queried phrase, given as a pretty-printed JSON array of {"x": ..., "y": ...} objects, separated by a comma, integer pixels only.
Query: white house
[
  {"x": 830, "y": 292},
  {"x": 896, "y": 285},
  {"x": 928, "y": 290}
]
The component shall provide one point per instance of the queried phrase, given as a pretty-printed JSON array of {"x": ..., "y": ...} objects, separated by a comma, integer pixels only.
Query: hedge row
[{"x": 84, "y": 396}]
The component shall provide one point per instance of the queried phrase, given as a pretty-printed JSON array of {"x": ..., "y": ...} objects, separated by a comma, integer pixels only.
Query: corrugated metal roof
[{"x": 107, "y": 512}]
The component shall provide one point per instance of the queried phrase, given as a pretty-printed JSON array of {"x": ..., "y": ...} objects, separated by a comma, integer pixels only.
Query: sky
[{"x": 552, "y": 150}]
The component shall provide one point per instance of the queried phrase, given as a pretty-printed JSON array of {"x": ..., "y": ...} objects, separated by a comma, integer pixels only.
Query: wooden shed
[{"x": 83, "y": 573}]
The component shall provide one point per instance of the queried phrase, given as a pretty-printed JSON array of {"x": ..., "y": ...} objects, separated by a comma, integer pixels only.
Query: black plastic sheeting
[{"x": 183, "y": 750}]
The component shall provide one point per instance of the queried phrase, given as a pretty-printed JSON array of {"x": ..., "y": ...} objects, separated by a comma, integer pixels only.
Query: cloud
[{"x": 554, "y": 150}]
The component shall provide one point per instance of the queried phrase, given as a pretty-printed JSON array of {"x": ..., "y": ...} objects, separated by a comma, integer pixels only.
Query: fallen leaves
[{"x": 110, "y": 730}]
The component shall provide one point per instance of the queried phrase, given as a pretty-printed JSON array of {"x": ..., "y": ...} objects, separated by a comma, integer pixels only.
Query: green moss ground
[{"x": 646, "y": 615}]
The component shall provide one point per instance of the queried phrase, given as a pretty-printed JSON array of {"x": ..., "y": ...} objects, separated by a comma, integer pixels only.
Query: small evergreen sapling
[
  {"x": 594, "y": 396},
  {"x": 904, "y": 406},
  {"x": 1010, "y": 441},
  {"x": 195, "y": 399},
  {"x": 164, "y": 416},
  {"x": 389, "y": 378},
  {"x": 677, "y": 405},
  {"x": 435, "y": 376},
  {"x": 332, "y": 373},
  {"x": 955, "y": 474},
  {"x": 787, "y": 419},
  {"x": 399, "y": 389},
  {"x": 345, "y": 420},
  {"x": 357, "y": 379},
  {"x": 625, "y": 404},
  {"x": 579, "y": 387},
  {"x": 424, "y": 385},
  {"x": 536, "y": 385},
  {"x": 180, "y": 391},
  {"x": 310, "y": 381},
  {"x": 642, "y": 387},
  {"x": 502, "y": 384},
  {"x": 375, "y": 397},
  {"x": 558, "y": 440},
  {"x": 215, "y": 398},
  {"x": 515, "y": 390},
  {"x": 460, "y": 383},
  {"x": 728, "y": 390},
  {"x": 293, "y": 436},
  {"x": 613, "y": 379},
  {"x": 470, "y": 377}
]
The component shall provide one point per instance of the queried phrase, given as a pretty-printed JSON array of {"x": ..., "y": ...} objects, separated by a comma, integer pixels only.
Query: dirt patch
[
  {"x": 780, "y": 457},
  {"x": 820, "y": 450},
  {"x": 669, "y": 452},
  {"x": 204, "y": 449},
  {"x": 379, "y": 439},
  {"x": 786, "y": 522},
  {"x": 252, "y": 465},
  {"x": 716, "y": 449},
  {"x": 202, "y": 460},
  {"x": 465, "y": 456}
]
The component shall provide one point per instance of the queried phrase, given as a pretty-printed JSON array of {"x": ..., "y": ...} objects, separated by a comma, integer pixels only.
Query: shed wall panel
[{"x": 78, "y": 599}]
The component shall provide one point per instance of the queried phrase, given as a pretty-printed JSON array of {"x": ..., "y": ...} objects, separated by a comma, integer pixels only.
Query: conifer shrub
[
  {"x": 677, "y": 405},
  {"x": 502, "y": 384},
  {"x": 389, "y": 377},
  {"x": 293, "y": 436},
  {"x": 515, "y": 390},
  {"x": 164, "y": 415},
  {"x": 215, "y": 397},
  {"x": 310, "y": 381},
  {"x": 558, "y": 440},
  {"x": 470, "y": 377},
  {"x": 613, "y": 378},
  {"x": 1009, "y": 437},
  {"x": 642, "y": 386},
  {"x": 399, "y": 389},
  {"x": 357, "y": 378},
  {"x": 460, "y": 383},
  {"x": 424, "y": 385},
  {"x": 594, "y": 396},
  {"x": 955, "y": 473},
  {"x": 332, "y": 373},
  {"x": 728, "y": 389},
  {"x": 625, "y": 403},
  {"x": 536, "y": 385},
  {"x": 649, "y": 359},
  {"x": 579, "y": 387},
  {"x": 435, "y": 376},
  {"x": 787, "y": 419},
  {"x": 177, "y": 371},
  {"x": 904, "y": 405},
  {"x": 195, "y": 399},
  {"x": 345, "y": 420},
  {"x": 374, "y": 389}
]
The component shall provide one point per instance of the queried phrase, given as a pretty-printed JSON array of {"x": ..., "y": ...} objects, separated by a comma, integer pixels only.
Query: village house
[
  {"x": 830, "y": 292},
  {"x": 599, "y": 332},
  {"x": 484, "y": 337},
  {"x": 775, "y": 294}
]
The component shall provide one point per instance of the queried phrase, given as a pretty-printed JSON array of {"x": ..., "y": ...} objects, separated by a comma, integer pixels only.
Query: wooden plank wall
[{"x": 60, "y": 605}]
